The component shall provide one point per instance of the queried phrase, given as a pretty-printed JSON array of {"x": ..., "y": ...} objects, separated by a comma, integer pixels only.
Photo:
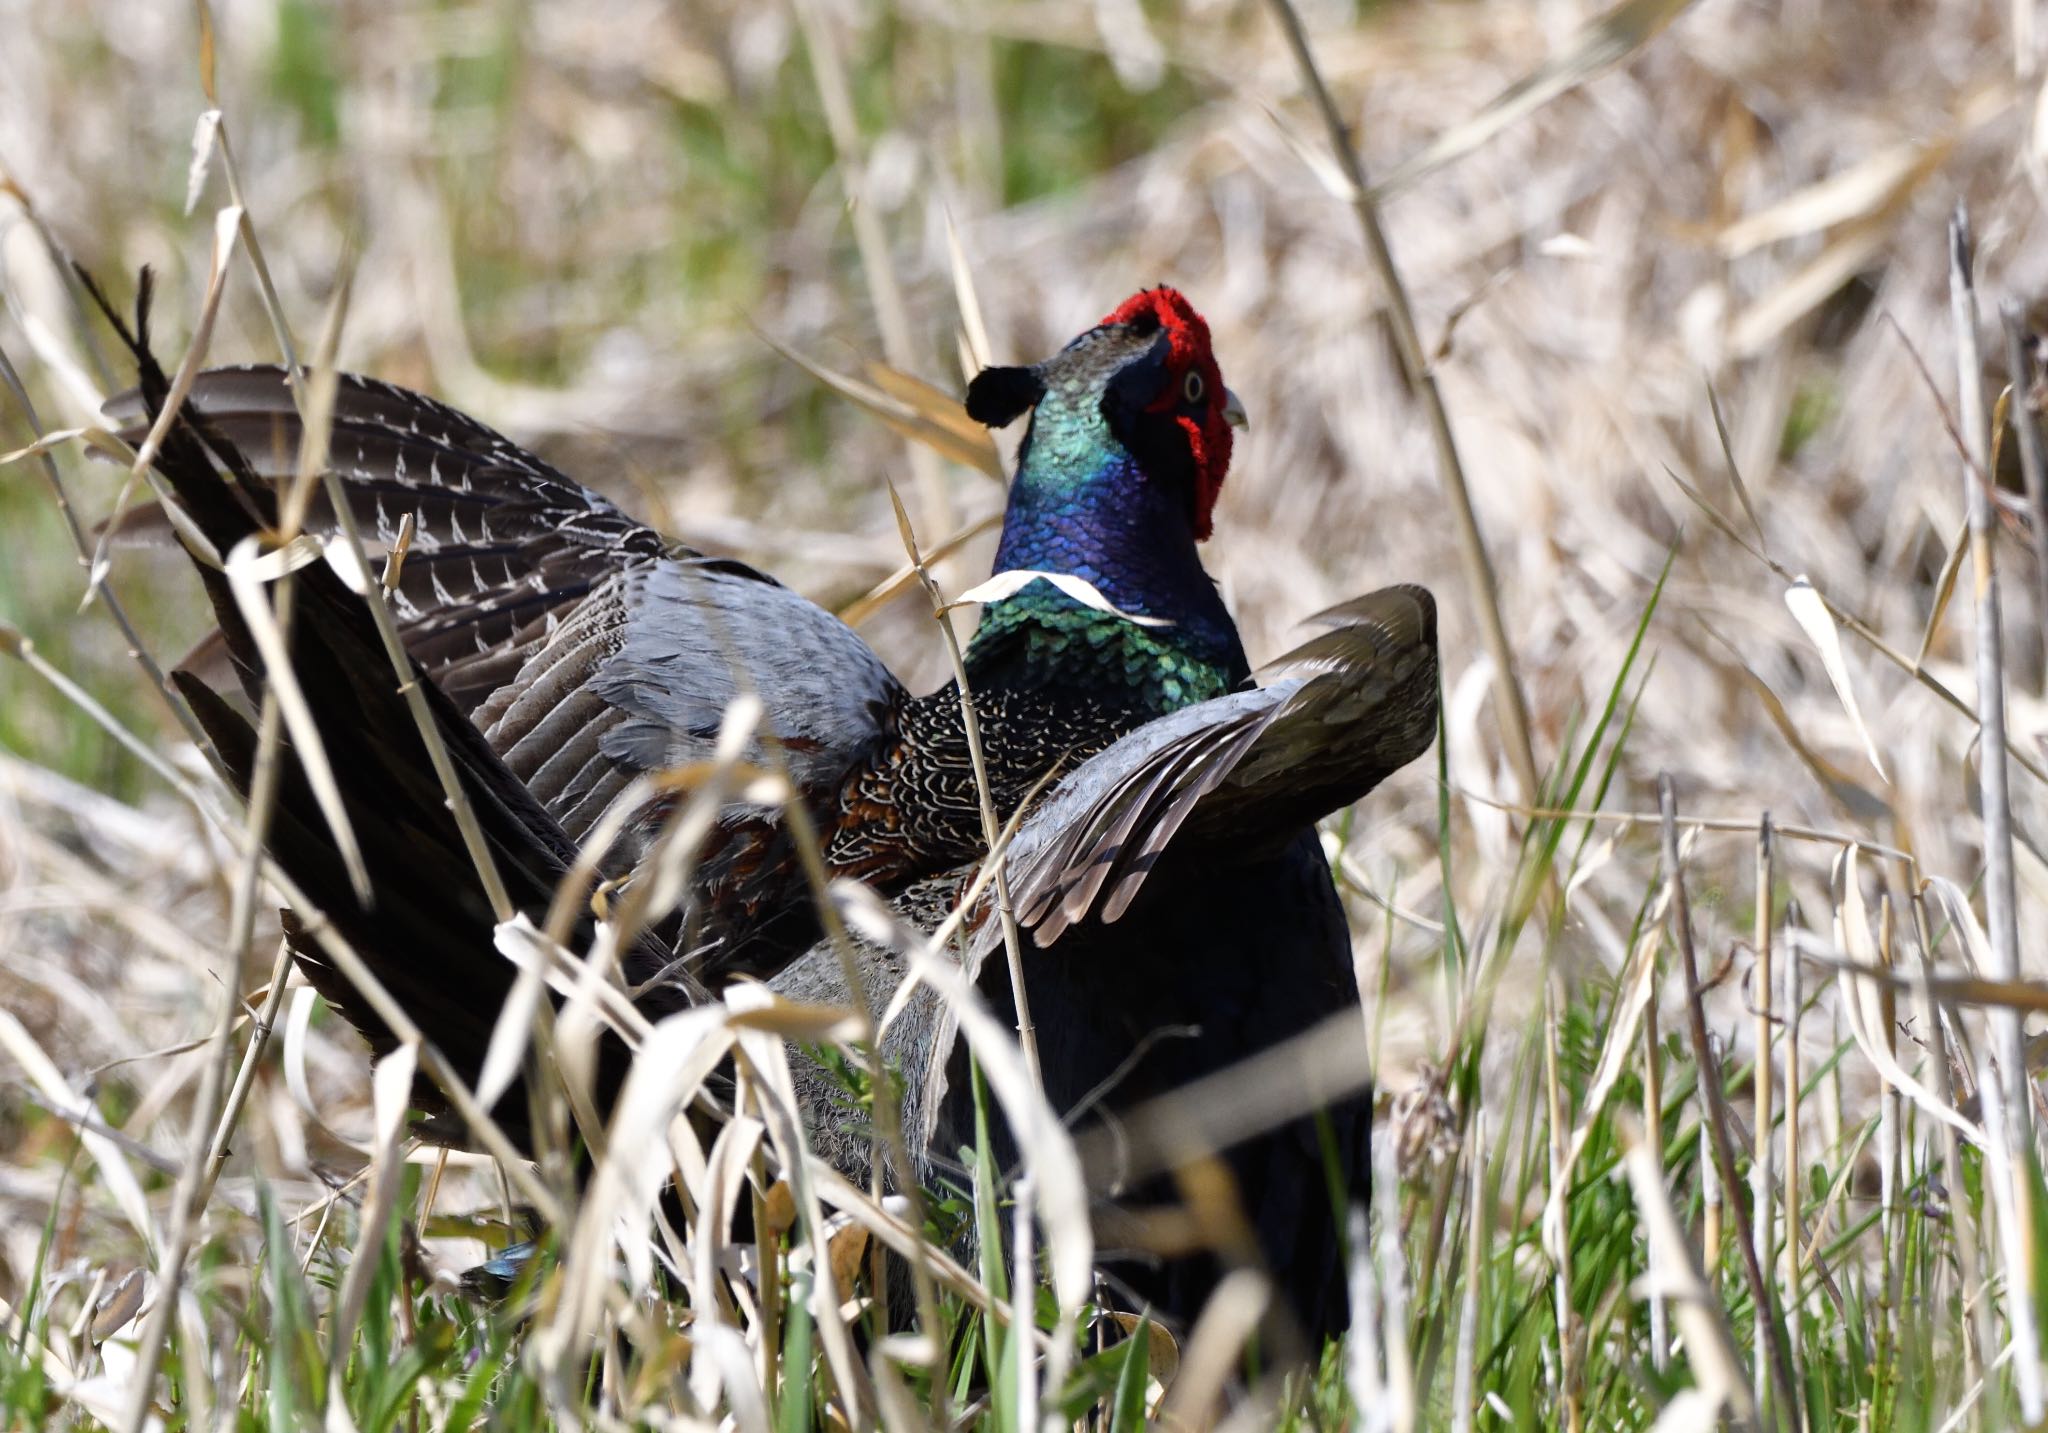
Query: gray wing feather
[{"x": 702, "y": 632}]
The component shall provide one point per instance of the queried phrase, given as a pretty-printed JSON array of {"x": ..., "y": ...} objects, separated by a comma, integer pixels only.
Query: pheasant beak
[{"x": 1233, "y": 411}]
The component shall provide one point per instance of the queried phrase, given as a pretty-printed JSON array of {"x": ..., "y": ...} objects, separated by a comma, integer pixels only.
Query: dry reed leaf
[
  {"x": 801, "y": 1023},
  {"x": 978, "y": 351},
  {"x": 1220, "y": 1334},
  {"x": 1851, "y": 250},
  {"x": 49, "y": 442},
  {"x": 766, "y": 1059},
  {"x": 1856, "y": 798},
  {"x": 1819, "y": 625},
  {"x": 1602, "y": 43},
  {"x": 245, "y": 569},
  {"x": 944, "y": 413},
  {"x": 1944, "y": 589},
  {"x": 847, "y": 1247},
  {"x": 1846, "y": 196},
  {"x": 113, "y": 1311},
  {"x": 665, "y": 873},
  {"x": 778, "y": 1208},
  {"x": 717, "y": 1194},
  {"x": 520, "y": 943},
  {"x": 835, "y": 1190},
  {"x": 906, "y": 577},
  {"x": 729, "y": 1358},
  {"x": 938, "y": 425},
  {"x": 1674, "y": 1272},
  {"x": 205, "y": 137},
  {"x": 1162, "y": 1350},
  {"x": 627, "y": 1179}
]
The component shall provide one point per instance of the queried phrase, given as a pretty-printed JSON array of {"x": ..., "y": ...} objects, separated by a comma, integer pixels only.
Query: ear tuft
[{"x": 999, "y": 396}]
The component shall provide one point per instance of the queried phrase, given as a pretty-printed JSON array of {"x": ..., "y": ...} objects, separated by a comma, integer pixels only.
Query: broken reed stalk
[
  {"x": 1760, "y": 1180},
  {"x": 1719, "y": 1122},
  {"x": 2026, "y": 425},
  {"x": 1795, "y": 1173},
  {"x": 2001, "y": 919},
  {"x": 1512, "y": 710}
]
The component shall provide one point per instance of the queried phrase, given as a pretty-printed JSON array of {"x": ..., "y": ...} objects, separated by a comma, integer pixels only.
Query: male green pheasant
[{"x": 1173, "y": 877}]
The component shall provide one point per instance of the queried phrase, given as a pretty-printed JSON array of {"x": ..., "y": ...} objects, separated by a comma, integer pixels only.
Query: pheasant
[{"x": 569, "y": 649}]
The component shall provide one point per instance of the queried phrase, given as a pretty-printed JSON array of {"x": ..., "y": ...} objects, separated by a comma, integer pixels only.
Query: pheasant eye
[{"x": 1191, "y": 387}]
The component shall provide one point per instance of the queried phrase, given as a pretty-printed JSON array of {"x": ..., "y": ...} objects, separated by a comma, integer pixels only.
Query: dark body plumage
[{"x": 1171, "y": 876}]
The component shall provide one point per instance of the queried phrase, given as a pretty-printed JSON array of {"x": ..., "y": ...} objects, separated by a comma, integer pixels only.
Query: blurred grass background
[{"x": 580, "y": 222}]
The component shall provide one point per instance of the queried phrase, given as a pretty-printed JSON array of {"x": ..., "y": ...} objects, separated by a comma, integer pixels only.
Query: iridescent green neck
[{"x": 1082, "y": 505}]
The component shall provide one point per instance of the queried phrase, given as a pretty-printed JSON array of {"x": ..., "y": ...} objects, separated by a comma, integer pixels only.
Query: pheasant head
[{"x": 1117, "y": 480}]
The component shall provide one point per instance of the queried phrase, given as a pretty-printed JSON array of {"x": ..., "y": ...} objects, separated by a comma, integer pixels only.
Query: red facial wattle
[{"x": 1209, "y": 436}]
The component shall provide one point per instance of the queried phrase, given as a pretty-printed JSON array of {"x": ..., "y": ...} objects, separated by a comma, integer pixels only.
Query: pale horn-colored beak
[{"x": 1233, "y": 411}]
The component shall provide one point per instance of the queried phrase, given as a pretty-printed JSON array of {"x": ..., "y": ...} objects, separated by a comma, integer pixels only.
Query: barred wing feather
[
  {"x": 585, "y": 645},
  {"x": 1340, "y": 713}
]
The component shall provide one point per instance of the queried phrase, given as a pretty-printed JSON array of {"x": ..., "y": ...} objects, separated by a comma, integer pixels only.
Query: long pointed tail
[{"x": 427, "y": 930}]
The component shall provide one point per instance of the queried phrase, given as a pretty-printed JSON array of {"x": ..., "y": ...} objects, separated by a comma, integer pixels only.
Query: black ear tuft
[{"x": 999, "y": 396}]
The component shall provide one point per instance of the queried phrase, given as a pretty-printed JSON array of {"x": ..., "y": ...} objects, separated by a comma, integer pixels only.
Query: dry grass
[{"x": 577, "y": 222}]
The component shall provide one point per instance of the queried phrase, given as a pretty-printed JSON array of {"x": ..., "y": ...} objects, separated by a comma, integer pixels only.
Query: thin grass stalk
[
  {"x": 2026, "y": 423},
  {"x": 1760, "y": 1171},
  {"x": 1512, "y": 711},
  {"x": 1710, "y": 1080},
  {"x": 1653, "y": 1142},
  {"x": 888, "y": 1112},
  {"x": 991, "y": 826},
  {"x": 245, "y": 1076},
  {"x": 1558, "y": 1137},
  {"x": 2001, "y": 919},
  {"x": 1393, "y": 1284},
  {"x": 1464, "y": 1361},
  {"x": 1971, "y": 1300}
]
